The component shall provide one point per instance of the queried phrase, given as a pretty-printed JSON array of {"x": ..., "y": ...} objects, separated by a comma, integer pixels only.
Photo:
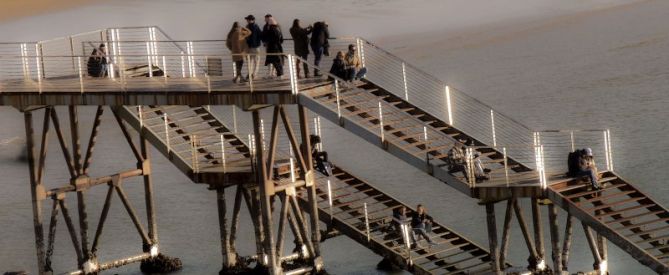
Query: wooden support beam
[
  {"x": 145, "y": 165},
  {"x": 93, "y": 139},
  {"x": 266, "y": 191},
  {"x": 132, "y": 214},
  {"x": 229, "y": 257},
  {"x": 103, "y": 218},
  {"x": 506, "y": 228},
  {"x": 555, "y": 239},
  {"x": 592, "y": 243},
  {"x": 308, "y": 175},
  {"x": 43, "y": 147},
  {"x": 273, "y": 143},
  {"x": 526, "y": 232},
  {"x": 492, "y": 237},
  {"x": 127, "y": 136},
  {"x": 235, "y": 218},
  {"x": 52, "y": 234},
  {"x": 63, "y": 144},
  {"x": 301, "y": 223},
  {"x": 281, "y": 238},
  {"x": 293, "y": 141},
  {"x": 249, "y": 198},
  {"x": 35, "y": 186},
  {"x": 538, "y": 228},
  {"x": 566, "y": 247},
  {"x": 72, "y": 230}
]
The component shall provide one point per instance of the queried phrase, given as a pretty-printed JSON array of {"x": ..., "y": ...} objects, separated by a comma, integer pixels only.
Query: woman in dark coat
[
  {"x": 319, "y": 43},
  {"x": 273, "y": 38},
  {"x": 338, "y": 68},
  {"x": 301, "y": 41}
]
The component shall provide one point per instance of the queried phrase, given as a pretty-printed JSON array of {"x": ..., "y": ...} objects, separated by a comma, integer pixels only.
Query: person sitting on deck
[
  {"x": 421, "y": 225},
  {"x": 480, "y": 172},
  {"x": 321, "y": 157},
  {"x": 456, "y": 159},
  {"x": 587, "y": 167},
  {"x": 400, "y": 218},
  {"x": 354, "y": 67},
  {"x": 97, "y": 62},
  {"x": 338, "y": 68}
]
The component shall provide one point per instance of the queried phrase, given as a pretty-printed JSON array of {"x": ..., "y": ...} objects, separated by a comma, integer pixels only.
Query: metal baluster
[
  {"x": 404, "y": 76},
  {"x": 336, "y": 86},
  {"x": 81, "y": 75},
  {"x": 330, "y": 199},
  {"x": 492, "y": 122},
  {"x": 167, "y": 133},
  {"x": 506, "y": 167},
  {"x": 381, "y": 122},
  {"x": 223, "y": 161},
  {"x": 367, "y": 222},
  {"x": 448, "y": 105}
]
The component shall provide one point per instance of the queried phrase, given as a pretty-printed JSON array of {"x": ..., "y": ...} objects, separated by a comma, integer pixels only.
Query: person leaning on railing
[
  {"x": 354, "y": 67},
  {"x": 301, "y": 43},
  {"x": 253, "y": 42},
  {"x": 236, "y": 43}
]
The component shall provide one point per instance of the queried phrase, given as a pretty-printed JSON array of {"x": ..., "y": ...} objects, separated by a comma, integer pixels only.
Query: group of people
[
  {"x": 245, "y": 41},
  {"x": 420, "y": 222},
  {"x": 457, "y": 162}
]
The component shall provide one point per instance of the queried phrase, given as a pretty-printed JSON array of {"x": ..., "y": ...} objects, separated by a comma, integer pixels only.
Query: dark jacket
[
  {"x": 338, "y": 68},
  {"x": 320, "y": 36},
  {"x": 417, "y": 220},
  {"x": 273, "y": 39},
  {"x": 253, "y": 41},
  {"x": 301, "y": 40}
]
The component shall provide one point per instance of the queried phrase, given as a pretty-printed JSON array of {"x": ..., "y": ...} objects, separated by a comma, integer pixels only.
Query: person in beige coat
[{"x": 236, "y": 43}]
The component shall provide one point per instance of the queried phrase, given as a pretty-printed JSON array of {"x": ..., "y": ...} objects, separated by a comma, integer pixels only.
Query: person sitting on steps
[
  {"x": 456, "y": 159},
  {"x": 421, "y": 225},
  {"x": 320, "y": 157},
  {"x": 338, "y": 68},
  {"x": 587, "y": 167},
  {"x": 354, "y": 67},
  {"x": 480, "y": 171}
]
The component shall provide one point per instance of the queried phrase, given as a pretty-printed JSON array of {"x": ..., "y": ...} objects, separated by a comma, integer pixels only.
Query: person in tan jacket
[
  {"x": 236, "y": 43},
  {"x": 354, "y": 68}
]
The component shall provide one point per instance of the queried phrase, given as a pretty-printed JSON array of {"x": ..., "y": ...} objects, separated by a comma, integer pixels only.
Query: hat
[
  {"x": 588, "y": 152},
  {"x": 268, "y": 15},
  {"x": 250, "y": 17}
]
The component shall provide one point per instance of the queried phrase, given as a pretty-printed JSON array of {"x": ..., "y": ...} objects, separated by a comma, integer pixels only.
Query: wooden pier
[{"x": 398, "y": 108}]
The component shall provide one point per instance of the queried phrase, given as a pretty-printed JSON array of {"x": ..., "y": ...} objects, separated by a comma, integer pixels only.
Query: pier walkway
[{"x": 160, "y": 87}]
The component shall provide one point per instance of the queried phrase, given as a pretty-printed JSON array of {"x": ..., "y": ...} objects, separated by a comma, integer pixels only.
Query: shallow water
[{"x": 606, "y": 68}]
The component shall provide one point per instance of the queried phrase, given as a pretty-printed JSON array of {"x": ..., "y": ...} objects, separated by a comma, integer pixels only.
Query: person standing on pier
[
  {"x": 301, "y": 42},
  {"x": 319, "y": 44},
  {"x": 97, "y": 62},
  {"x": 273, "y": 39},
  {"x": 253, "y": 43},
  {"x": 236, "y": 43}
]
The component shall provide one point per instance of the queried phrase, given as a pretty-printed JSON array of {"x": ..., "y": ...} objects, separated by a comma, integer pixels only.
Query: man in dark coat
[
  {"x": 253, "y": 42},
  {"x": 301, "y": 42},
  {"x": 319, "y": 43},
  {"x": 273, "y": 40}
]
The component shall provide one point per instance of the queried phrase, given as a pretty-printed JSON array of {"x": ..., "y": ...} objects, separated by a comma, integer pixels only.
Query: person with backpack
[
  {"x": 587, "y": 167},
  {"x": 253, "y": 42},
  {"x": 301, "y": 43},
  {"x": 319, "y": 44},
  {"x": 97, "y": 62}
]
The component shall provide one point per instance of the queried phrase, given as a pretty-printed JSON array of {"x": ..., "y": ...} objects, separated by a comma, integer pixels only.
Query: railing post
[
  {"x": 427, "y": 146},
  {"x": 165, "y": 70},
  {"x": 38, "y": 63},
  {"x": 492, "y": 123},
  {"x": 610, "y": 151},
  {"x": 367, "y": 222},
  {"x": 383, "y": 139},
  {"x": 292, "y": 170},
  {"x": 361, "y": 51},
  {"x": 81, "y": 75},
  {"x": 330, "y": 200},
  {"x": 234, "y": 120},
  {"x": 183, "y": 65},
  {"x": 291, "y": 71},
  {"x": 448, "y": 105},
  {"x": 223, "y": 161},
  {"x": 149, "y": 59},
  {"x": 404, "y": 76},
  {"x": 167, "y": 134},
  {"x": 571, "y": 136},
  {"x": 250, "y": 70},
  {"x": 141, "y": 117},
  {"x": 506, "y": 166},
  {"x": 336, "y": 86}
]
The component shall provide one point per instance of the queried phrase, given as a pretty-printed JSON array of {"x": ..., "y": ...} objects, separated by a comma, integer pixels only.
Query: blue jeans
[
  {"x": 591, "y": 174},
  {"x": 353, "y": 75},
  {"x": 421, "y": 231}
]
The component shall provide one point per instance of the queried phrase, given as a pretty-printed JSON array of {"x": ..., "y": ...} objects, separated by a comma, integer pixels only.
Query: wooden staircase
[{"x": 621, "y": 213}]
